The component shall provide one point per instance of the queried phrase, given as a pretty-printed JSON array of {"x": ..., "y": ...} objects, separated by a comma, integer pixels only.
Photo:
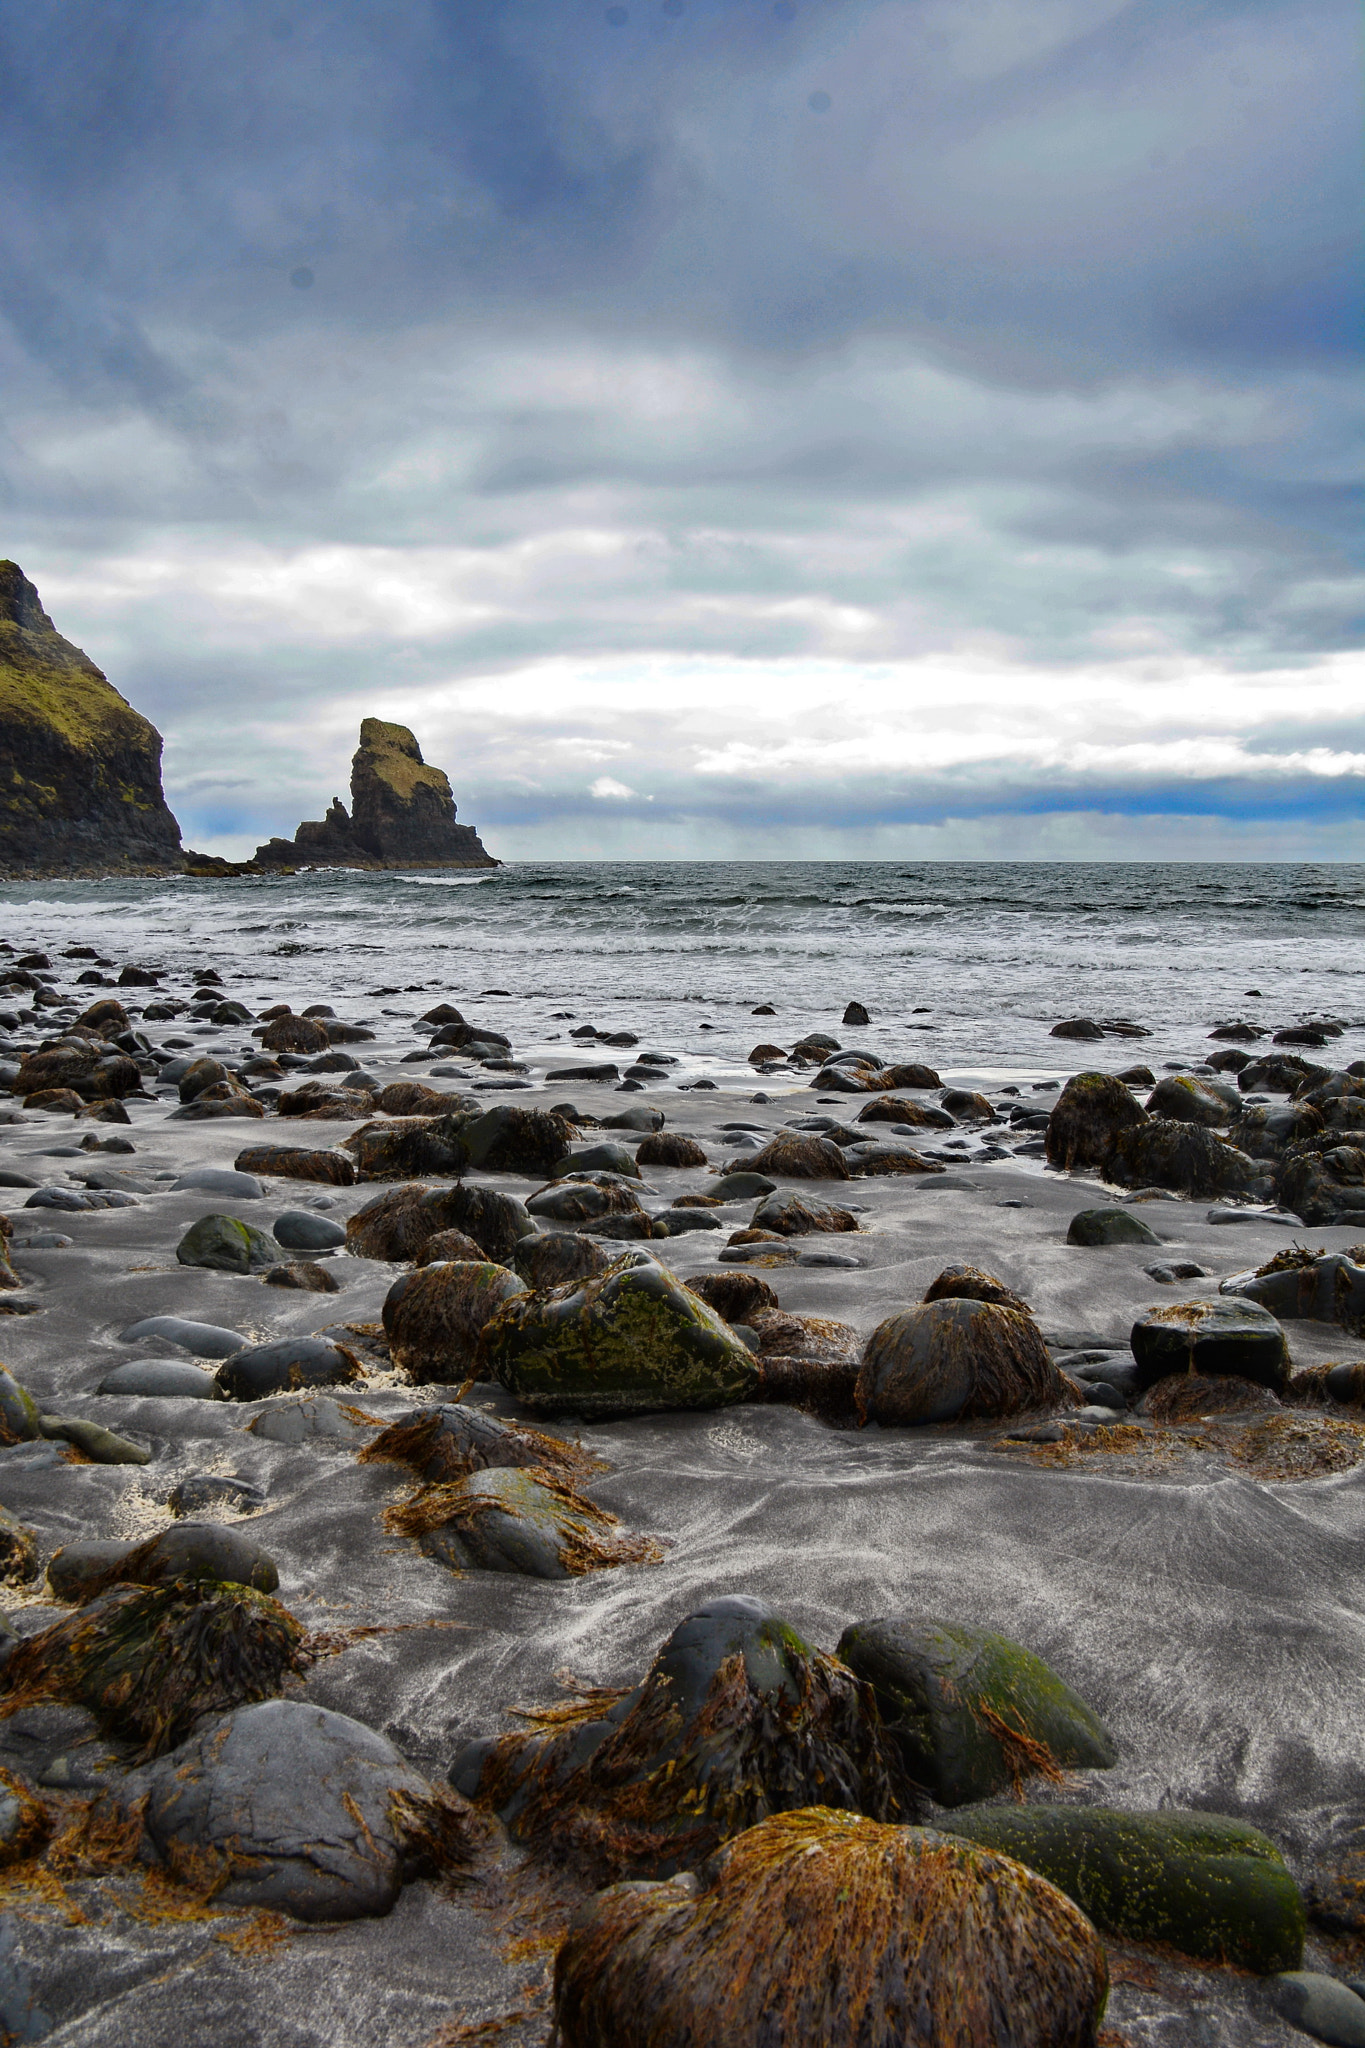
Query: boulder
[
  {"x": 148, "y": 1661},
  {"x": 1224, "y": 1338},
  {"x": 285, "y": 1366},
  {"x": 1091, "y": 1114},
  {"x": 955, "y": 1360},
  {"x": 1279, "y": 1074},
  {"x": 433, "y": 1317},
  {"x": 204, "y": 1340},
  {"x": 893, "y": 1109},
  {"x": 448, "y": 1244},
  {"x": 1321, "y": 2006},
  {"x": 396, "y": 1225},
  {"x": 558, "y": 1257},
  {"x": 1206, "y": 1886},
  {"x": 299, "y": 1810},
  {"x": 316, "y": 1420},
  {"x": 99, "y": 1445},
  {"x": 969, "y": 1283},
  {"x": 1327, "y": 1289},
  {"x": 218, "y": 1180},
  {"x": 1094, "y": 1227},
  {"x": 294, "y": 1034},
  {"x": 195, "y": 1553},
  {"x": 794, "y": 1156},
  {"x": 792, "y": 1215},
  {"x": 291, "y": 1162},
  {"x": 304, "y": 1275},
  {"x": 734, "y": 1296},
  {"x": 971, "y": 1712},
  {"x": 604, "y": 1158},
  {"x": 1185, "y": 1157},
  {"x": 1322, "y": 1182},
  {"x": 511, "y": 1139},
  {"x": 638, "y": 1117},
  {"x": 1077, "y": 1027},
  {"x": 738, "y": 1717},
  {"x": 18, "y": 1412},
  {"x": 408, "y": 1145},
  {"x": 874, "y": 1161},
  {"x": 670, "y": 1148},
  {"x": 584, "y": 1199},
  {"x": 629, "y": 1341},
  {"x": 739, "y": 1185},
  {"x": 161, "y": 1379},
  {"x": 1187, "y": 1100},
  {"x": 909, "y": 1074},
  {"x": 226, "y": 1245},
  {"x": 1194, "y": 1396},
  {"x": 967, "y": 1106},
  {"x": 822, "y": 1928},
  {"x": 300, "y": 1230},
  {"x": 510, "y": 1519},
  {"x": 448, "y": 1443}
]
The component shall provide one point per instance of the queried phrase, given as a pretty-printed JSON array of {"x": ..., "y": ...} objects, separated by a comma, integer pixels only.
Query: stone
[
  {"x": 306, "y": 1276},
  {"x": 1223, "y": 1338},
  {"x": 1208, "y": 1887},
  {"x": 303, "y": 1811},
  {"x": 407, "y": 1146},
  {"x": 453, "y": 1440},
  {"x": 824, "y": 1928},
  {"x": 792, "y": 1215},
  {"x": 192, "y": 1553},
  {"x": 510, "y": 1519},
  {"x": 1095, "y": 1227},
  {"x": 737, "y": 1715},
  {"x": 892, "y": 1109},
  {"x": 908, "y": 1074},
  {"x": 18, "y": 1550},
  {"x": 741, "y": 1186},
  {"x": 99, "y": 1445},
  {"x": 402, "y": 815},
  {"x": 584, "y": 1199},
  {"x": 637, "y": 1118},
  {"x": 299, "y": 1230},
  {"x": 1186, "y": 1099},
  {"x": 206, "y": 1492},
  {"x": 1077, "y": 1027},
  {"x": 161, "y": 1379},
  {"x": 629, "y": 1341},
  {"x": 794, "y": 1156},
  {"x": 967, "y": 1105},
  {"x": 969, "y": 1283},
  {"x": 558, "y": 1256},
  {"x": 510, "y": 1139},
  {"x": 286, "y": 1366},
  {"x": 87, "y": 799},
  {"x": 734, "y": 1296},
  {"x": 1321, "y": 2006},
  {"x": 219, "y": 1180},
  {"x": 1327, "y": 1289},
  {"x": 290, "y": 1162},
  {"x": 1090, "y": 1115},
  {"x": 1279, "y": 1074},
  {"x": 1185, "y": 1157},
  {"x": 604, "y": 1158},
  {"x": 18, "y": 1411},
  {"x": 948, "y": 1361},
  {"x": 316, "y": 1420},
  {"x": 670, "y": 1148},
  {"x": 204, "y": 1340},
  {"x": 971, "y": 1712},
  {"x": 225, "y": 1244},
  {"x": 433, "y": 1317},
  {"x": 874, "y": 1161}
]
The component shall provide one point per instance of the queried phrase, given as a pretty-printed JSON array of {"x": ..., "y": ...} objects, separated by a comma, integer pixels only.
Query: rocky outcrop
[
  {"x": 402, "y": 815},
  {"x": 80, "y": 770}
]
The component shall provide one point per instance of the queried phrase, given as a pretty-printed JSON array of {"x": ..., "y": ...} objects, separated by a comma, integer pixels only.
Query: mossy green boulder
[
  {"x": 625, "y": 1342},
  {"x": 18, "y": 1412},
  {"x": 226, "y": 1245},
  {"x": 1093, "y": 1227},
  {"x": 970, "y": 1711},
  {"x": 1205, "y": 1885}
]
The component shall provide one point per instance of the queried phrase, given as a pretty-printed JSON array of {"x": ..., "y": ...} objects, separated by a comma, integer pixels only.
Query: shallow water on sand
[{"x": 976, "y": 960}]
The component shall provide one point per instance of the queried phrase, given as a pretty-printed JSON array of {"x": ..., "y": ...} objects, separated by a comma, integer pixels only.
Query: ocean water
[{"x": 963, "y": 964}]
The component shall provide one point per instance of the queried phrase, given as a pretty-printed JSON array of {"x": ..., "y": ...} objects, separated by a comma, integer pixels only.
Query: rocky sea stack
[
  {"x": 402, "y": 815},
  {"x": 80, "y": 770}
]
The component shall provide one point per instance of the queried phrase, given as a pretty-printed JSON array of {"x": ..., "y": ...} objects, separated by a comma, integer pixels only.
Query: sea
[{"x": 964, "y": 965}]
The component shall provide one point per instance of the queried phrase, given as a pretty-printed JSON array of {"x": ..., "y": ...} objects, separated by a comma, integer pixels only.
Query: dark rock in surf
[
  {"x": 1221, "y": 1338},
  {"x": 1091, "y": 1114},
  {"x": 1095, "y": 1227},
  {"x": 956, "y": 1360},
  {"x": 433, "y": 1317}
]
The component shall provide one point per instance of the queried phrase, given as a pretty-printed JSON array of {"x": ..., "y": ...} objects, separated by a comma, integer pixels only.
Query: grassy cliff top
[
  {"x": 45, "y": 681},
  {"x": 395, "y": 759}
]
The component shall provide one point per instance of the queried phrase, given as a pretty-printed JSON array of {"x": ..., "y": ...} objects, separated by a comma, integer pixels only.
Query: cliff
[
  {"x": 402, "y": 815},
  {"x": 80, "y": 770}
]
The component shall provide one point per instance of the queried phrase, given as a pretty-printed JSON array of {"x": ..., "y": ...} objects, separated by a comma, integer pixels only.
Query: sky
[{"x": 719, "y": 428}]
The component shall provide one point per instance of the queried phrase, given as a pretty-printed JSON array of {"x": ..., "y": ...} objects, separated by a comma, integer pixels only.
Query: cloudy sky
[{"x": 717, "y": 427}]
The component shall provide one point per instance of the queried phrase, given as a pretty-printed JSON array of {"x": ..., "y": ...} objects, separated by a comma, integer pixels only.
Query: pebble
[{"x": 1321, "y": 2006}]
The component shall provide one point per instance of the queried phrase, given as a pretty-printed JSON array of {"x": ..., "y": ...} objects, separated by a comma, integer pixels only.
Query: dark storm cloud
[{"x": 832, "y": 330}]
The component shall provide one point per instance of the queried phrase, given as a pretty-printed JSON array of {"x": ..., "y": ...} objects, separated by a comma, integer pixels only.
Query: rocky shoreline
[{"x": 491, "y": 1541}]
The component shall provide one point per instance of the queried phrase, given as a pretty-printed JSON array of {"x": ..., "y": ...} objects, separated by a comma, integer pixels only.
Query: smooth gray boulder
[
  {"x": 164, "y": 1379},
  {"x": 1321, "y": 2006},
  {"x": 204, "y": 1340},
  {"x": 301, "y": 1422},
  {"x": 219, "y": 1180},
  {"x": 299, "y": 1231},
  {"x": 296, "y": 1802},
  {"x": 225, "y": 1244},
  {"x": 286, "y": 1366}
]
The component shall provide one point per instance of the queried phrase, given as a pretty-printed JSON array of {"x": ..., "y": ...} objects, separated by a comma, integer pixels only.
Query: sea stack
[
  {"x": 80, "y": 770},
  {"x": 402, "y": 815}
]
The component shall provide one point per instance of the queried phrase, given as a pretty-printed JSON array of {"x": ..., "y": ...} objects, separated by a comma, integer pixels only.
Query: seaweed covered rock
[
  {"x": 511, "y": 1139},
  {"x": 1091, "y": 1114},
  {"x": 585, "y": 1197},
  {"x": 449, "y": 1244},
  {"x": 734, "y": 1296},
  {"x": 793, "y": 1215},
  {"x": 1322, "y": 1181},
  {"x": 396, "y": 1225},
  {"x": 669, "y": 1148},
  {"x": 1096, "y": 1227},
  {"x": 633, "y": 1339},
  {"x": 433, "y": 1317},
  {"x": 449, "y": 1442},
  {"x": 294, "y": 1034},
  {"x": 224, "y": 1244},
  {"x": 414, "y": 1144},
  {"x": 285, "y": 1366},
  {"x": 1195, "y": 1396},
  {"x": 970, "y": 1283},
  {"x": 955, "y": 1360},
  {"x": 1207, "y": 1886},
  {"x": 737, "y": 1718},
  {"x": 557, "y": 1257},
  {"x": 970, "y": 1711},
  {"x": 1327, "y": 1289},
  {"x": 1224, "y": 1338},
  {"x": 1279, "y": 1073},
  {"x": 293, "y": 1162},
  {"x": 18, "y": 1550},
  {"x": 290, "y": 1807},
  {"x": 191, "y": 1554},
  {"x": 1185, "y": 1099},
  {"x": 149, "y": 1660},
  {"x": 819, "y": 1929},
  {"x": 891, "y": 1109},
  {"x": 792, "y": 1155},
  {"x": 1186, "y": 1158},
  {"x": 507, "y": 1518}
]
